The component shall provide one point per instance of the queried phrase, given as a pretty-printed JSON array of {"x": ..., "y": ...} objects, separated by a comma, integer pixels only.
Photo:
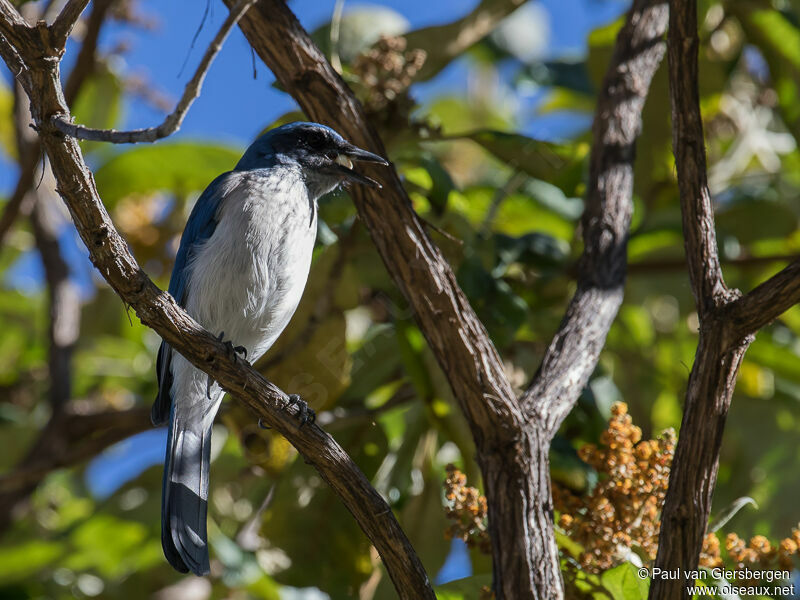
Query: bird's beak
[{"x": 350, "y": 154}]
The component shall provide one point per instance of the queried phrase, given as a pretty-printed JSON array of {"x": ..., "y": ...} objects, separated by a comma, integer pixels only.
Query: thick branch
[
  {"x": 14, "y": 34},
  {"x": 572, "y": 355},
  {"x": 65, "y": 306},
  {"x": 65, "y": 21},
  {"x": 766, "y": 302},
  {"x": 174, "y": 120},
  {"x": 84, "y": 67},
  {"x": 719, "y": 352},
  {"x": 700, "y": 238},
  {"x": 417, "y": 266},
  {"x": 511, "y": 450},
  {"x": 443, "y": 43}
]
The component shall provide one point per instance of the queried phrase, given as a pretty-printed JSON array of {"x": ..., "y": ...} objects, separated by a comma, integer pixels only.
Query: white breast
[{"x": 248, "y": 277}]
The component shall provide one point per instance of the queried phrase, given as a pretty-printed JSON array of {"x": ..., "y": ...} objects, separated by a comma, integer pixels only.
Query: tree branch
[
  {"x": 766, "y": 302},
  {"x": 572, "y": 355},
  {"x": 449, "y": 323},
  {"x": 84, "y": 67},
  {"x": 65, "y": 306},
  {"x": 14, "y": 33},
  {"x": 719, "y": 352},
  {"x": 65, "y": 21},
  {"x": 174, "y": 120},
  {"x": 443, "y": 43},
  {"x": 67, "y": 440}
]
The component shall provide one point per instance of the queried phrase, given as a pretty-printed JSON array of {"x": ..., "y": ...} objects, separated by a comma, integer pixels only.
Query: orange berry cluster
[
  {"x": 621, "y": 514},
  {"x": 759, "y": 554},
  {"x": 466, "y": 507}
]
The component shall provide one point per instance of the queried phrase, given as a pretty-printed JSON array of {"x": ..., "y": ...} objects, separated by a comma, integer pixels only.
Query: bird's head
[{"x": 324, "y": 157}]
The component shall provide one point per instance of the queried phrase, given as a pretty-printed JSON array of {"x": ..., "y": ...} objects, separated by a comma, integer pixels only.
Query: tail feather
[{"x": 184, "y": 506}]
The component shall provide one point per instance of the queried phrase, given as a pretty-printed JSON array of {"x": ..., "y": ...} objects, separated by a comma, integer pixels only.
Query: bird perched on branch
[{"x": 240, "y": 271}]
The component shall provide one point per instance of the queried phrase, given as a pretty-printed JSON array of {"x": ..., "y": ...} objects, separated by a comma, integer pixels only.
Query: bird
[{"x": 240, "y": 271}]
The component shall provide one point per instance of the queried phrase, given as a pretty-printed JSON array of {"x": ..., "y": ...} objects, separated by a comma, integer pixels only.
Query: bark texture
[
  {"x": 572, "y": 355},
  {"x": 727, "y": 321}
]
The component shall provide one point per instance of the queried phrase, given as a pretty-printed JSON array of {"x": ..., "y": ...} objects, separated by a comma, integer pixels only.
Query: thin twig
[
  {"x": 65, "y": 21},
  {"x": 174, "y": 120}
]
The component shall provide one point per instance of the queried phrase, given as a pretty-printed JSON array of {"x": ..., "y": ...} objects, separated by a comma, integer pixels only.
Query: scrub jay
[{"x": 241, "y": 268}]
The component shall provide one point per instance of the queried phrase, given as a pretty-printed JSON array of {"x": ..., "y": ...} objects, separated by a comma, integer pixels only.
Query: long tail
[{"x": 184, "y": 499}]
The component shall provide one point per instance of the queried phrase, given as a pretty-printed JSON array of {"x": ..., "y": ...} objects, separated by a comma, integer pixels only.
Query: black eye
[{"x": 316, "y": 140}]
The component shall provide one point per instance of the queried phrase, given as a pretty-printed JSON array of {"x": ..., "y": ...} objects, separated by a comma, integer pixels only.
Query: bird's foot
[
  {"x": 304, "y": 411},
  {"x": 232, "y": 351}
]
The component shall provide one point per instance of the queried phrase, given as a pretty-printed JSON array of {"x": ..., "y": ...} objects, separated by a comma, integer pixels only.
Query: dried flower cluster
[
  {"x": 466, "y": 507},
  {"x": 383, "y": 75},
  {"x": 759, "y": 554},
  {"x": 387, "y": 70},
  {"x": 621, "y": 514}
]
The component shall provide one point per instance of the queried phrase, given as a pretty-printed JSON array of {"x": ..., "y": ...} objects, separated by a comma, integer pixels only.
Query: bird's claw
[
  {"x": 232, "y": 352},
  {"x": 231, "y": 349},
  {"x": 305, "y": 412},
  {"x": 261, "y": 425}
]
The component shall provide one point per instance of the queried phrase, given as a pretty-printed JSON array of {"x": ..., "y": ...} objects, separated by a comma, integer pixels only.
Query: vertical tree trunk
[
  {"x": 694, "y": 467},
  {"x": 720, "y": 349},
  {"x": 524, "y": 552}
]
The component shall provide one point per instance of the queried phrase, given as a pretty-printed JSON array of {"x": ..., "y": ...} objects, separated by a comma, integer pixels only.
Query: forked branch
[{"x": 174, "y": 120}]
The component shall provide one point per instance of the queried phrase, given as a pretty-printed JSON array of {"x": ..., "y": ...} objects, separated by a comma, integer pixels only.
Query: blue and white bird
[{"x": 240, "y": 271}]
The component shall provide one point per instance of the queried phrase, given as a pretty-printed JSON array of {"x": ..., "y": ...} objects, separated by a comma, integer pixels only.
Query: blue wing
[{"x": 200, "y": 226}]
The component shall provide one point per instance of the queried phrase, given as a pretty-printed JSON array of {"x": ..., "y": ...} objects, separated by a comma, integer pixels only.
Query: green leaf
[
  {"x": 99, "y": 101},
  {"x": 533, "y": 249},
  {"x": 623, "y": 583},
  {"x": 539, "y": 159},
  {"x": 179, "y": 168},
  {"x": 441, "y": 182},
  {"x": 500, "y": 309}
]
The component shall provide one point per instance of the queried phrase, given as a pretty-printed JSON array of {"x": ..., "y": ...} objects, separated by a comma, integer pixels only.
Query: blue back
[{"x": 200, "y": 226}]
